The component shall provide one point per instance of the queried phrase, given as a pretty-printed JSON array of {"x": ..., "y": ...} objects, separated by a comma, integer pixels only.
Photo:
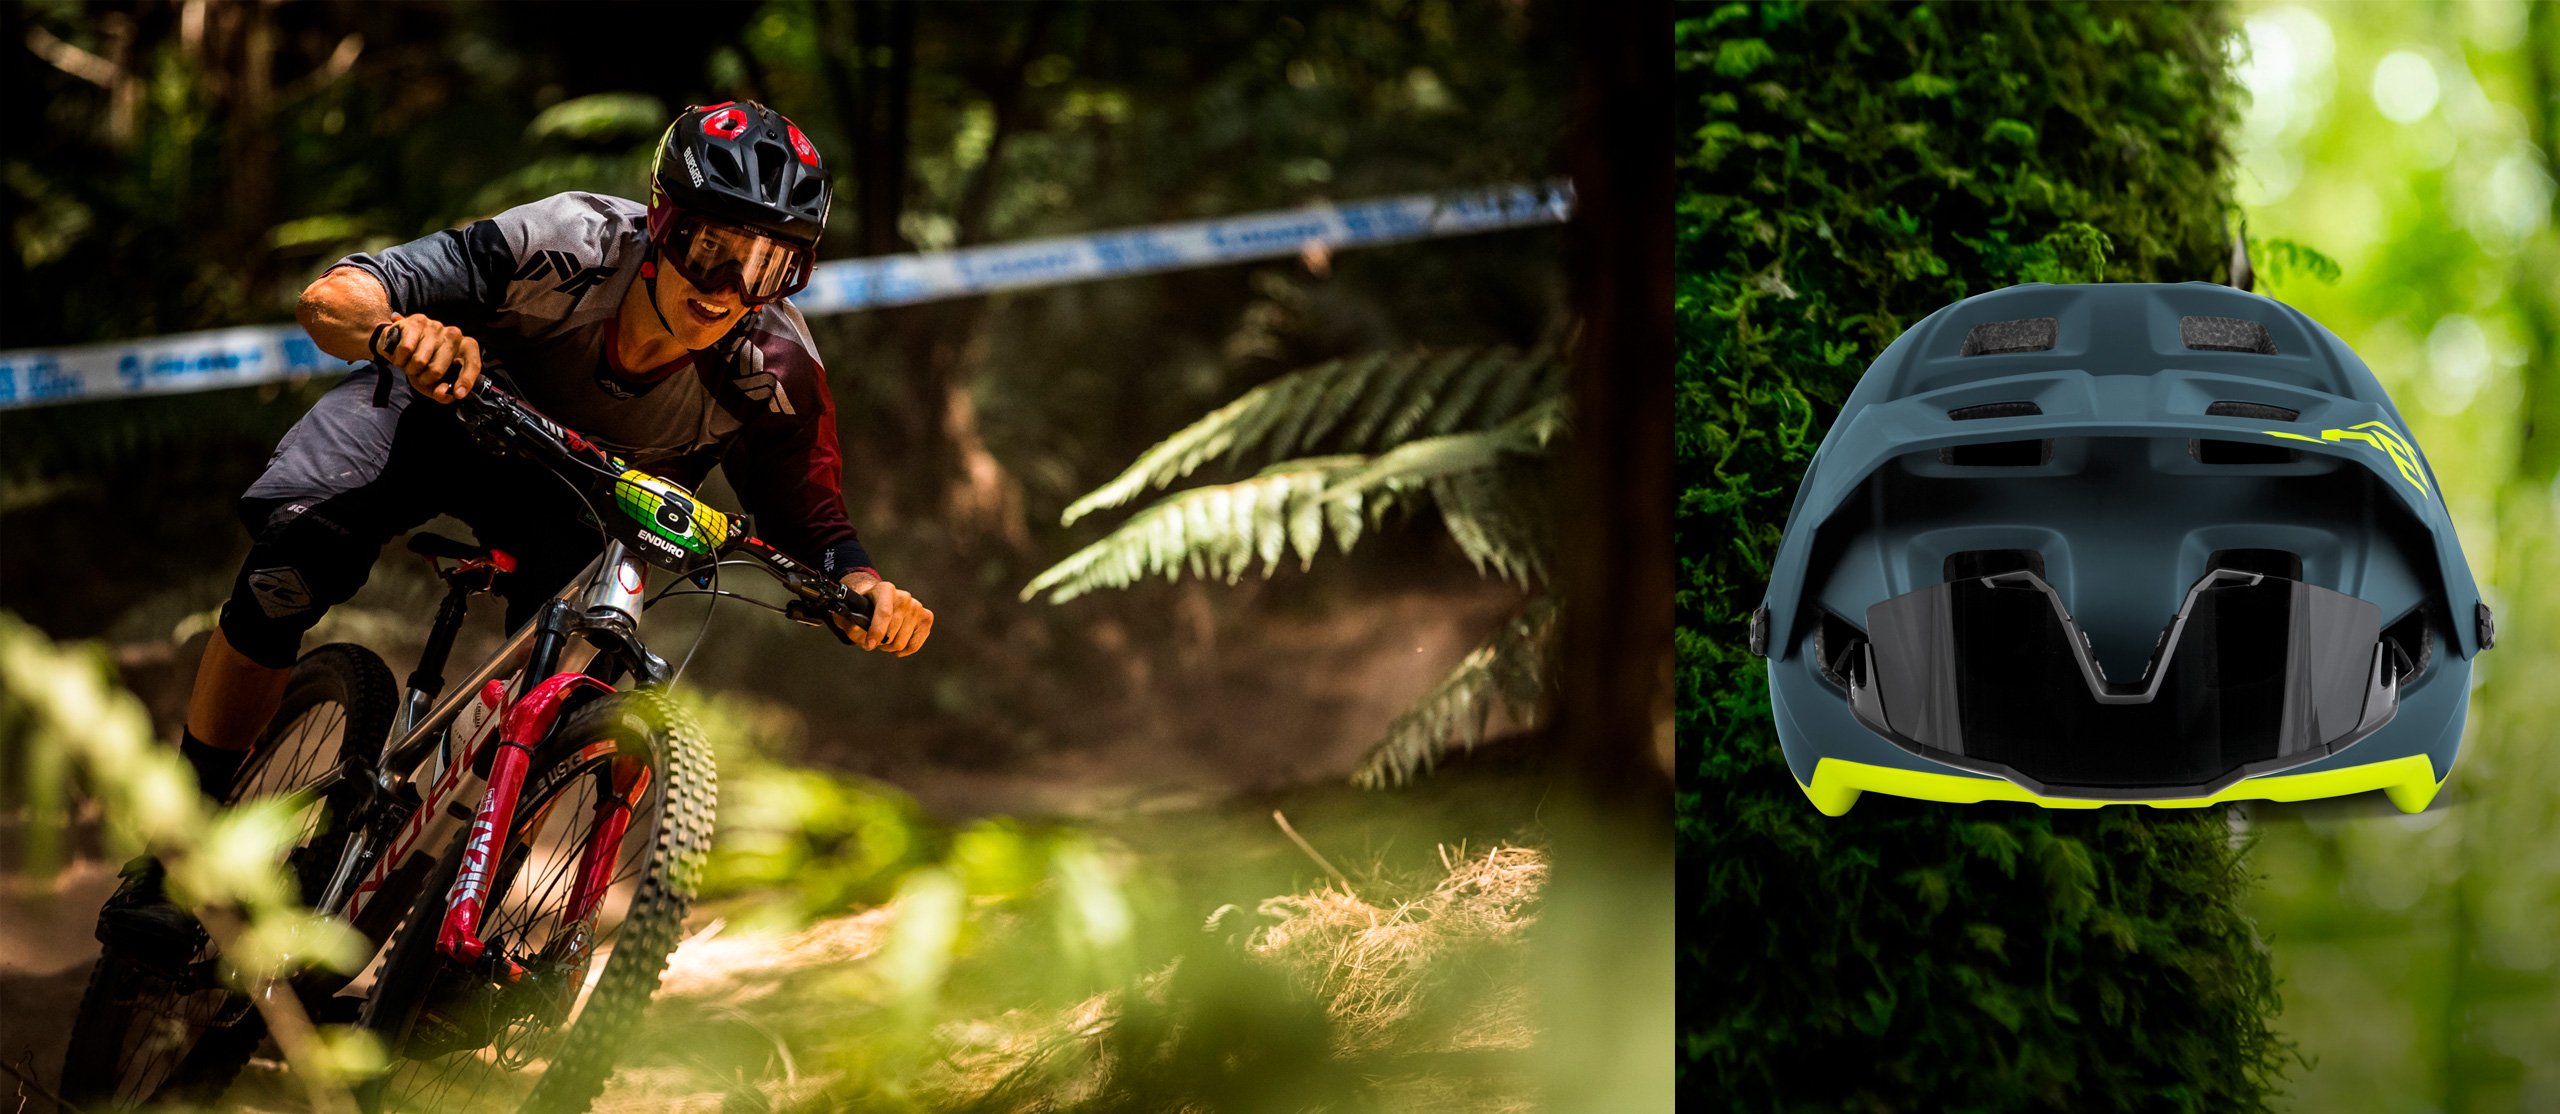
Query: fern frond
[
  {"x": 1357, "y": 405},
  {"x": 1415, "y": 463},
  {"x": 1218, "y": 531},
  {"x": 1499, "y": 517},
  {"x": 1509, "y": 670}
]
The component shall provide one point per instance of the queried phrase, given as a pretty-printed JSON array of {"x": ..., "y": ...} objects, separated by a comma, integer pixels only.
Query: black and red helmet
[{"x": 744, "y": 164}]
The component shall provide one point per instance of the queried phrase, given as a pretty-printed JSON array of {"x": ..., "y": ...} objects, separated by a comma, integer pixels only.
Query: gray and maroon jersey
[{"x": 539, "y": 287}]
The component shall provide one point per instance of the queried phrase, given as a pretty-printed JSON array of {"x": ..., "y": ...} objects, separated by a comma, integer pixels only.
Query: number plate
[{"x": 670, "y": 512}]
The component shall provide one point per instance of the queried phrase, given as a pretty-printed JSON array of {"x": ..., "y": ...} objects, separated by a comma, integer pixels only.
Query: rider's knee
[{"x": 299, "y": 566}]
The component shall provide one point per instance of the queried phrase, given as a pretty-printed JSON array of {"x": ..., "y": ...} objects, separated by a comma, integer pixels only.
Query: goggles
[
  {"x": 712, "y": 255},
  {"x": 2255, "y": 674}
]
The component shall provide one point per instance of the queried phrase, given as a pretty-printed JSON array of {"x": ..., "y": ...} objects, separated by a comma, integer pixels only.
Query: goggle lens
[{"x": 713, "y": 256}]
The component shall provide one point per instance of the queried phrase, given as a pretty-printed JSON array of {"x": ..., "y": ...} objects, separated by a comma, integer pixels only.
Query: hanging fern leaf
[
  {"x": 1219, "y": 531},
  {"x": 1499, "y": 518},
  {"x": 1362, "y": 404},
  {"x": 1464, "y": 430},
  {"x": 1415, "y": 463},
  {"x": 1508, "y": 671}
]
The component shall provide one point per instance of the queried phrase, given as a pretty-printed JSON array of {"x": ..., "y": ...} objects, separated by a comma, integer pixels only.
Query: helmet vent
[
  {"x": 2258, "y": 410},
  {"x": 2265, "y": 562},
  {"x": 724, "y": 167},
  {"x": 770, "y": 158},
  {"x": 2028, "y": 334},
  {"x": 1994, "y": 410},
  {"x": 1997, "y": 454},
  {"x": 1835, "y": 643},
  {"x": 1973, "y": 564},
  {"x": 2214, "y": 451},
  {"x": 2207, "y": 450},
  {"x": 2409, "y": 632},
  {"x": 2225, "y": 334}
]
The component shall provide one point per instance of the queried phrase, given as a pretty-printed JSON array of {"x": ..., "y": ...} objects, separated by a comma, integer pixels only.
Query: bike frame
[{"x": 481, "y": 737}]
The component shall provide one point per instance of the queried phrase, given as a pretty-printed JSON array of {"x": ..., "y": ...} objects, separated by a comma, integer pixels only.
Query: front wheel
[
  {"x": 533, "y": 1025},
  {"x": 162, "y": 1029}
]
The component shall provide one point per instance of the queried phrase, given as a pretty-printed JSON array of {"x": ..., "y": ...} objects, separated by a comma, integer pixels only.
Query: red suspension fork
[
  {"x": 604, "y": 841},
  {"x": 528, "y": 721}
]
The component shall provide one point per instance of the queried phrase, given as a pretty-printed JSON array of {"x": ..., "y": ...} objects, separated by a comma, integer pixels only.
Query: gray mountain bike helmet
[{"x": 2156, "y": 543}]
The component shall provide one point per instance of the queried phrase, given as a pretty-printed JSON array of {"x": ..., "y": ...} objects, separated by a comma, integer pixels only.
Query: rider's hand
[
  {"x": 429, "y": 348},
  {"x": 899, "y": 624}
]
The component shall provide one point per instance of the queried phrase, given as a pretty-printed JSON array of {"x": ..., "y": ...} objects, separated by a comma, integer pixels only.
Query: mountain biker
[{"x": 656, "y": 331}]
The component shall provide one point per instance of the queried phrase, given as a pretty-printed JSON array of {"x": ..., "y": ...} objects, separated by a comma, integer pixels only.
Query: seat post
[{"x": 426, "y": 682}]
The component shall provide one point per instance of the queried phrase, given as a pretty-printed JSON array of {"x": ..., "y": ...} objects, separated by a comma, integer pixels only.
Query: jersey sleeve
[
  {"x": 498, "y": 263},
  {"x": 786, "y": 464}
]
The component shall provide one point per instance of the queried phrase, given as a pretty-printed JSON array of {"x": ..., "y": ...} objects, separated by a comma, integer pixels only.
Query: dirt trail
[{"x": 1294, "y": 701}]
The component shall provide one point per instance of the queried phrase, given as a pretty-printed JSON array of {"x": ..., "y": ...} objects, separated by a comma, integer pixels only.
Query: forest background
[{"x": 196, "y": 163}]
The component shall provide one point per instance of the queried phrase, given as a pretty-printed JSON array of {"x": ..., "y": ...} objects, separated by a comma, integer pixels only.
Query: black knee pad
[{"x": 300, "y": 565}]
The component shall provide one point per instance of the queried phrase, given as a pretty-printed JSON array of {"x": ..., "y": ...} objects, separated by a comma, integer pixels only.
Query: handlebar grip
[
  {"x": 381, "y": 350},
  {"x": 386, "y": 339},
  {"x": 855, "y": 606}
]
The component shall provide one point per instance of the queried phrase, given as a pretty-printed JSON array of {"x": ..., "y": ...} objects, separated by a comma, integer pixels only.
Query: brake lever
[{"x": 820, "y": 615}]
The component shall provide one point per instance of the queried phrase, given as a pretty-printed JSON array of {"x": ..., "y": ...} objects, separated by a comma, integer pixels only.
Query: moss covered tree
[{"x": 1845, "y": 170}]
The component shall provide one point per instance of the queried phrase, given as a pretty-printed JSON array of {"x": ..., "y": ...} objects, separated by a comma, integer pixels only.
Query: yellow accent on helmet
[
  {"x": 2403, "y": 454},
  {"x": 2409, "y": 780}
]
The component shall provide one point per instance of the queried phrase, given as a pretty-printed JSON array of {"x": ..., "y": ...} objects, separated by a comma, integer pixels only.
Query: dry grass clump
[
  {"x": 1427, "y": 997},
  {"x": 1381, "y": 967}
]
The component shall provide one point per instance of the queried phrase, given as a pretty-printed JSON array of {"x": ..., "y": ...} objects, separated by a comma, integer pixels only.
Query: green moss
[{"x": 1844, "y": 171}]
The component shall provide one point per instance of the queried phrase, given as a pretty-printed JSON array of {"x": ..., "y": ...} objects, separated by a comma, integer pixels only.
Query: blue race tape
[{"x": 248, "y": 355}]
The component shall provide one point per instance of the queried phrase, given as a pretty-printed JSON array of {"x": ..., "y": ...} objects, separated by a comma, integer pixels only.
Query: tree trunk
[
  {"x": 1844, "y": 171},
  {"x": 1607, "y": 933}
]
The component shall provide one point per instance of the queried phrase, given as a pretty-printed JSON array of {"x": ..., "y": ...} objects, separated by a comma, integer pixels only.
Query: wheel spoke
[{"x": 530, "y": 894}]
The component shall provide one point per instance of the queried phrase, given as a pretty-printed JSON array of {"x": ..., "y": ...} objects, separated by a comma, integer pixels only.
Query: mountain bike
[{"x": 521, "y": 849}]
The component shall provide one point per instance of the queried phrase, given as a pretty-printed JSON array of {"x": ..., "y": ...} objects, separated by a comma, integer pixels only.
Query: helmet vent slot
[
  {"x": 2211, "y": 451},
  {"x": 2214, "y": 451},
  {"x": 1976, "y": 563},
  {"x": 724, "y": 166},
  {"x": 1994, "y": 410},
  {"x": 805, "y": 194},
  {"x": 2027, "y": 334},
  {"x": 769, "y": 160},
  {"x": 2267, "y": 562},
  {"x": 1835, "y": 644},
  {"x": 2409, "y": 632},
  {"x": 1999, "y": 454},
  {"x": 2258, "y": 410},
  {"x": 2225, "y": 334}
]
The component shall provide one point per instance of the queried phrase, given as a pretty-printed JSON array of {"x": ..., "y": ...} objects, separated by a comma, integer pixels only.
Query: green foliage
[
  {"x": 65, "y": 722},
  {"x": 1357, "y": 405},
  {"x": 1508, "y": 672},
  {"x": 806, "y": 842},
  {"x": 2416, "y": 951},
  {"x": 2277, "y": 259},
  {"x": 1464, "y": 431},
  {"x": 1877, "y": 164}
]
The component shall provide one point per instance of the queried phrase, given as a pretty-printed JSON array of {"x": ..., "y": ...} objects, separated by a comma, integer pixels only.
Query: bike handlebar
[{"x": 507, "y": 424}]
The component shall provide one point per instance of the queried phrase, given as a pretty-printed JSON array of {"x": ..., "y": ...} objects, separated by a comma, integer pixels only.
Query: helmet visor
[
  {"x": 712, "y": 255},
  {"x": 2256, "y": 673}
]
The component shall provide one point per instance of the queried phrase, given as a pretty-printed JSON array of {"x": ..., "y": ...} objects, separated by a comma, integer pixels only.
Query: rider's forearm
[{"x": 341, "y": 309}]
